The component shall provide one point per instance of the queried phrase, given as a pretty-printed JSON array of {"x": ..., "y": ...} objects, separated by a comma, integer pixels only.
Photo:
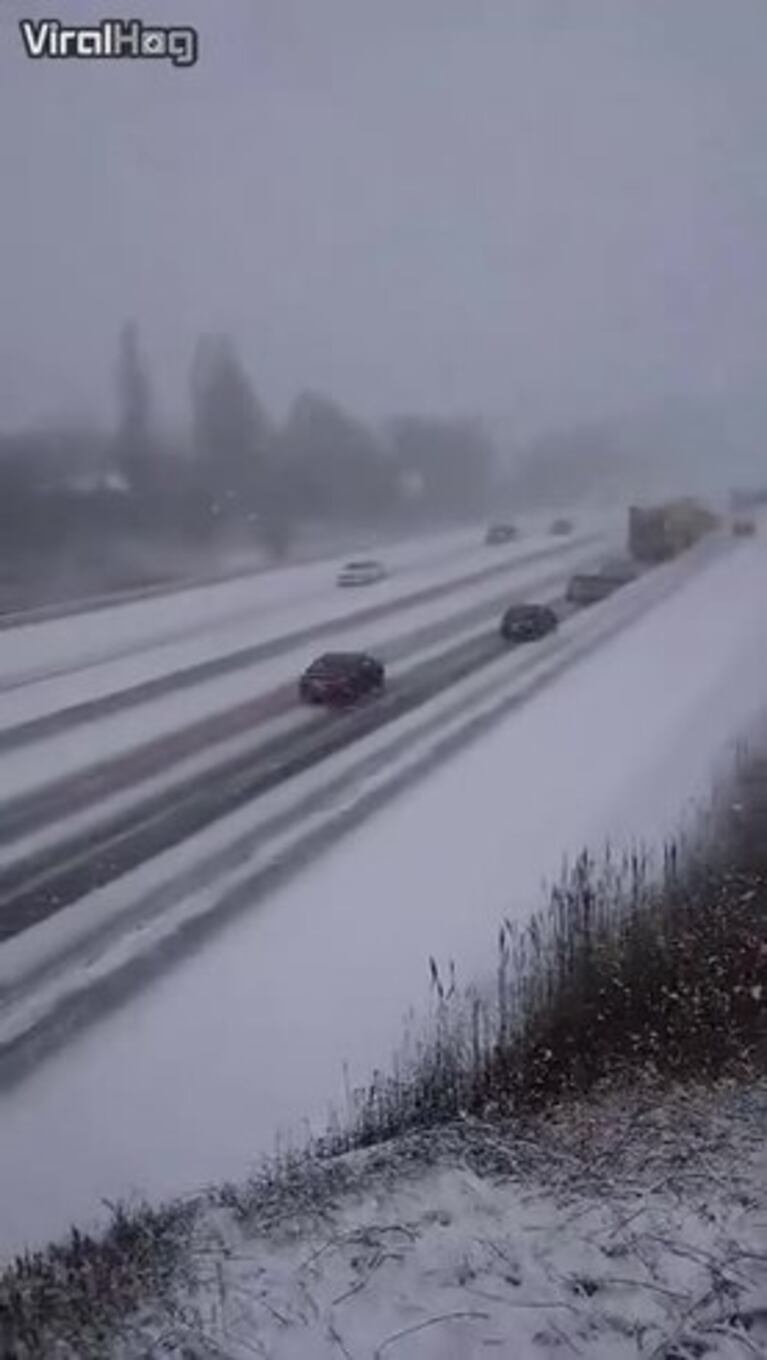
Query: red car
[
  {"x": 528, "y": 622},
  {"x": 341, "y": 678}
]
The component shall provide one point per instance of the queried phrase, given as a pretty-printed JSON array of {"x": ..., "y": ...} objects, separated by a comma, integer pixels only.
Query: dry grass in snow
[{"x": 622, "y": 1227}]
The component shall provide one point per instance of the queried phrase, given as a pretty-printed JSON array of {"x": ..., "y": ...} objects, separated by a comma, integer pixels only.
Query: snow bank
[
  {"x": 615, "y": 1230},
  {"x": 612, "y": 1229}
]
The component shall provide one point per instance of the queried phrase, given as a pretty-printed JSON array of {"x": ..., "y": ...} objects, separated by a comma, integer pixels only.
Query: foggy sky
[{"x": 540, "y": 209}]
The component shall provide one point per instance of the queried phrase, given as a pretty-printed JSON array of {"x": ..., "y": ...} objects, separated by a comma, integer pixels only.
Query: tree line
[{"x": 236, "y": 471}]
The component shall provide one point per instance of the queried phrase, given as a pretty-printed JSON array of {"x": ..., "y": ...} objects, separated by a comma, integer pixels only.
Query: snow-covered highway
[
  {"x": 51, "y": 857},
  {"x": 57, "y": 697},
  {"x": 161, "y": 858},
  {"x": 94, "y": 791},
  {"x": 133, "y": 810},
  {"x": 215, "y": 619}
]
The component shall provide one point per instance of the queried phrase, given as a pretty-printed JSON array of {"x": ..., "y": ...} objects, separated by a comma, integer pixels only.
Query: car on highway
[
  {"x": 743, "y": 527},
  {"x": 501, "y": 533},
  {"x": 362, "y": 573},
  {"x": 561, "y": 527},
  {"x": 341, "y": 678},
  {"x": 589, "y": 588},
  {"x": 621, "y": 570},
  {"x": 528, "y": 622}
]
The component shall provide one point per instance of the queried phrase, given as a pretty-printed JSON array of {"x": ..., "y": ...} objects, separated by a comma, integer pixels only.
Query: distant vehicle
[
  {"x": 341, "y": 678},
  {"x": 589, "y": 588},
  {"x": 364, "y": 573},
  {"x": 561, "y": 527},
  {"x": 528, "y": 622},
  {"x": 743, "y": 528},
  {"x": 621, "y": 570},
  {"x": 501, "y": 533}
]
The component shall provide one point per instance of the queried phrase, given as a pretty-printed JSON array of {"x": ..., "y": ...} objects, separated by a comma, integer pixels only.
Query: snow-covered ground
[
  {"x": 629, "y": 1227},
  {"x": 193, "y": 1078}
]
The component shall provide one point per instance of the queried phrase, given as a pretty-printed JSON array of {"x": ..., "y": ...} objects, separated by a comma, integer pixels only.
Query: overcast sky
[{"x": 540, "y": 209}]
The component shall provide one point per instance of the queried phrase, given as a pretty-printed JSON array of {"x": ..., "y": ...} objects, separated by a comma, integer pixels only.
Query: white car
[{"x": 366, "y": 573}]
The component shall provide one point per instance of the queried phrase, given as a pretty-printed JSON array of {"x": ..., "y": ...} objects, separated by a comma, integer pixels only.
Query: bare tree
[
  {"x": 452, "y": 460},
  {"x": 231, "y": 430},
  {"x": 134, "y": 442},
  {"x": 336, "y": 465}
]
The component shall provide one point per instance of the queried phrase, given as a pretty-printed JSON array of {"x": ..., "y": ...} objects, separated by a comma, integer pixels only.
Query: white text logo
[{"x": 109, "y": 40}]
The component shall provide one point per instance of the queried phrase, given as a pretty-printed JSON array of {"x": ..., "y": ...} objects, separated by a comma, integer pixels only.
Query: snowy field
[{"x": 193, "y": 1079}]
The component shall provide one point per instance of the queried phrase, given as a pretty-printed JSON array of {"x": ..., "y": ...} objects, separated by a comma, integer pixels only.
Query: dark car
[
  {"x": 500, "y": 533},
  {"x": 589, "y": 588},
  {"x": 560, "y": 527},
  {"x": 528, "y": 622},
  {"x": 341, "y": 678}
]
